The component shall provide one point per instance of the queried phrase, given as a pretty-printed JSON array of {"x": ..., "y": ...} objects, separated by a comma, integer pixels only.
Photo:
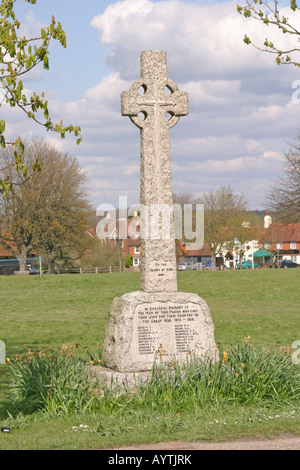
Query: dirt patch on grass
[{"x": 284, "y": 442}]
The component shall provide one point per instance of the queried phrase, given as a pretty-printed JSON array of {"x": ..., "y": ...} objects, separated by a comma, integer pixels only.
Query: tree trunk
[
  {"x": 51, "y": 266},
  {"x": 22, "y": 259},
  {"x": 22, "y": 264},
  {"x": 213, "y": 262}
]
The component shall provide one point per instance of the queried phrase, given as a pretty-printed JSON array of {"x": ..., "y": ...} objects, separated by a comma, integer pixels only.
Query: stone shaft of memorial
[{"x": 160, "y": 103}]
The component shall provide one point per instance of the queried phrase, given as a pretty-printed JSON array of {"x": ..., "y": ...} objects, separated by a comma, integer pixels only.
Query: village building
[{"x": 282, "y": 240}]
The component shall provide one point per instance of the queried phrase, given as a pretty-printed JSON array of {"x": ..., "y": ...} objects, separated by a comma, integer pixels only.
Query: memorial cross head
[{"x": 154, "y": 99}]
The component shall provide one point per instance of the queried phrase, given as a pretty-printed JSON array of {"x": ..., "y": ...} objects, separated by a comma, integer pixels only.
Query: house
[
  {"x": 186, "y": 252},
  {"x": 8, "y": 262},
  {"x": 189, "y": 254},
  {"x": 274, "y": 241},
  {"x": 279, "y": 240},
  {"x": 130, "y": 245},
  {"x": 133, "y": 247},
  {"x": 282, "y": 240}
]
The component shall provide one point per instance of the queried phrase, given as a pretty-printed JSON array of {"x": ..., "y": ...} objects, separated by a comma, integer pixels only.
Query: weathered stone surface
[
  {"x": 146, "y": 327},
  {"x": 159, "y": 101},
  {"x": 115, "y": 380},
  {"x": 157, "y": 323},
  {"x": 2, "y": 353}
]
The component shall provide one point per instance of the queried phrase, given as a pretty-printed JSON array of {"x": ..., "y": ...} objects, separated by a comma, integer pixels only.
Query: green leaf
[
  {"x": 21, "y": 145},
  {"x": 46, "y": 62},
  {"x": 247, "y": 40},
  {"x": 18, "y": 93}
]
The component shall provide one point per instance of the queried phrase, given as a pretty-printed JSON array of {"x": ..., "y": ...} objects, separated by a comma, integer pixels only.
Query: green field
[
  {"x": 68, "y": 309},
  {"x": 55, "y": 310}
]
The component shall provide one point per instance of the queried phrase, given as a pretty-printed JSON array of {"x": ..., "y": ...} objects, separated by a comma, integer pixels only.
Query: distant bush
[{"x": 128, "y": 261}]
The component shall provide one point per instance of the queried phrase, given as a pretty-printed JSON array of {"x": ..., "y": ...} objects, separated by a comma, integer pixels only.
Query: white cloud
[
  {"x": 240, "y": 101},
  {"x": 202, "y": 41}
]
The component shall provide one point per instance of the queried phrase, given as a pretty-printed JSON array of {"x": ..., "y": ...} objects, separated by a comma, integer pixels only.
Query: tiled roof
[
  {"x": 134, "y": 241},
  {"x": 5, "y": 252},
  {"x": 204, "y": 251},
  {"x": 281, "y": 233}
]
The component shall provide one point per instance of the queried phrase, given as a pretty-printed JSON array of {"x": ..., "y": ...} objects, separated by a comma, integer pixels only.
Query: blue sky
[{"x": 241, "y": 111}]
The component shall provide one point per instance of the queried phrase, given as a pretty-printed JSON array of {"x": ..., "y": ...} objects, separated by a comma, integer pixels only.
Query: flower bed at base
[{"x": 57, "y": 382}]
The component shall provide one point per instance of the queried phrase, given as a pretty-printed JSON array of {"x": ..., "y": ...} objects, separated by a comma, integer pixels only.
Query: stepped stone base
[
  {"x": 111, "y": 379},
  {"x": 148, "y": 327}
]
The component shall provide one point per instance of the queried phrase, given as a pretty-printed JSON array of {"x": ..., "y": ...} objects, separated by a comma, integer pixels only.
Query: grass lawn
[
  {"x": 64, "y": 309},
  {"x": 68, "y": 309}
]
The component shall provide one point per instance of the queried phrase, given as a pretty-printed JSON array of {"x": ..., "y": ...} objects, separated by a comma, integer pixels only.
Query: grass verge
[{"x": 66, "y": 310}]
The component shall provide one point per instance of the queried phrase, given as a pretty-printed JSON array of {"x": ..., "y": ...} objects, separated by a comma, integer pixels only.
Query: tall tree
[
  {"x": 18, "y": 56},
  {"x": 223, "y": 212},
  {"x": 49, "y": 213},
  {"x": 283, "y": 198},
  {"x": 269, "y": 13}
]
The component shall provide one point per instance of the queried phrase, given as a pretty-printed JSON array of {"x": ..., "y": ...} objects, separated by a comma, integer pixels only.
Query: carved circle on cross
[{"x": 139, "y": 87}]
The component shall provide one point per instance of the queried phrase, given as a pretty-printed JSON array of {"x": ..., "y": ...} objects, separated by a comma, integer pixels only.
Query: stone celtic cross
[{"x": 154, "y": 104}]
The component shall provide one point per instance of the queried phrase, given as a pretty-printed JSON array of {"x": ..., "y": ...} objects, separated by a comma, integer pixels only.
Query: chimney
[{"x": 267, "y": 220}]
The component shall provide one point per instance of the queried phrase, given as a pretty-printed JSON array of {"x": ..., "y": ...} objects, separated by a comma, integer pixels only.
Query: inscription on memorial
[
  {"x": 167, "y": 324},
  {"x": 146, "y": 340},
  {"x": 161, "y": 271}
]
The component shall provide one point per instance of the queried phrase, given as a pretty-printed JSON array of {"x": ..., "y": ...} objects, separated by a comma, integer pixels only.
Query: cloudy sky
[{"x": 241, "y": 111}]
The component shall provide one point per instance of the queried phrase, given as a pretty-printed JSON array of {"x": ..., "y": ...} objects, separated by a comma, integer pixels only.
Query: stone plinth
[
  {"x": 145, "y": 327},
  {"x": 111, "y": 379}
]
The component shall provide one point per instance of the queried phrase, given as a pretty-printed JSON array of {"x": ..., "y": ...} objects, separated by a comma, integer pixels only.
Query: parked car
[
  {"x": 208, "y": 266},
  {"x": 182, "y": 267},
  {"x": 246, "y": 265},
  {"x": 286, "y": 263},
  {"x": 32, "y": 269},
  {"x": 269, "y": 264},
  {"x": 190, "y": 266}
]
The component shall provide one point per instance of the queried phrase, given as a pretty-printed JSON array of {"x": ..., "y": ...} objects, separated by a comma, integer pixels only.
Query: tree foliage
[
  {"x": 18, "y": 56},
  {"x": 48, "y": 214},
  {"x": 224, "y": 214},
  {"x": 269, "y": 13}
]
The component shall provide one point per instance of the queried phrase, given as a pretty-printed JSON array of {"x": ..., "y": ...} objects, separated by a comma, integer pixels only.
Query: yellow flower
[
  {"x": 7, "y": 359},
  {"x": 165, "y": 399},
  {"x": 242, "y": 364},
  {"x": 91, "y": 363},
  {"x": 225, "y": 357}
]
